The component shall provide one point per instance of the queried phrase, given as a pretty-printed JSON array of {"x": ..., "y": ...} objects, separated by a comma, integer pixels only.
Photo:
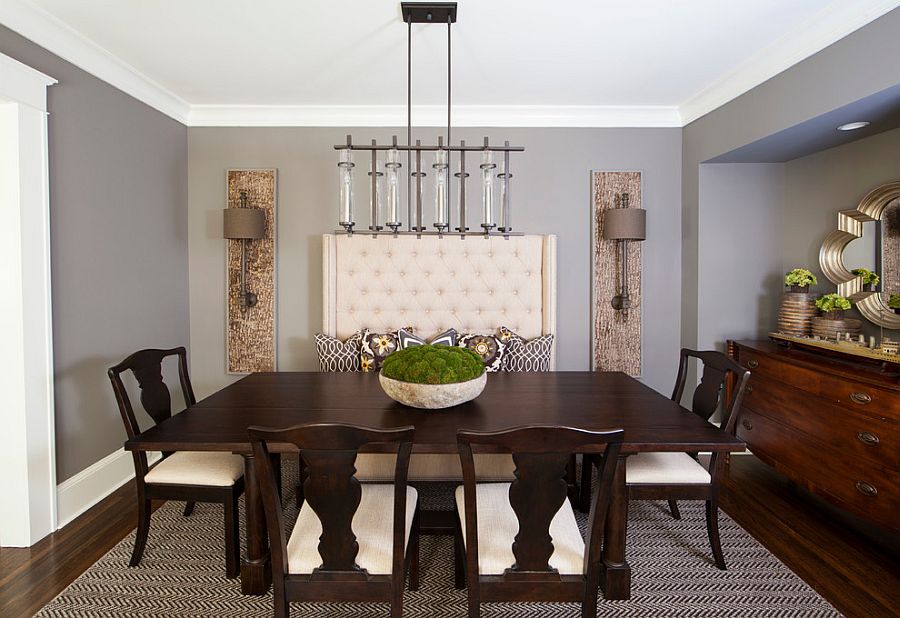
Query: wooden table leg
[
  {"x": 615, "y": 574},
  {"x": 256, "y": 567}
]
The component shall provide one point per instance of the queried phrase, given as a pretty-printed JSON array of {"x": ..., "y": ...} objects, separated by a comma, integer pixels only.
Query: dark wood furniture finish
[
  {"x": 718, "y": 372},
  {"x": 593, "y": 401},
  {"x": 146, "y": 366},
  {"x": 541, "y": 456},
  {"x": 829, "y": 424},
  {"x": 328, "y": 452}
]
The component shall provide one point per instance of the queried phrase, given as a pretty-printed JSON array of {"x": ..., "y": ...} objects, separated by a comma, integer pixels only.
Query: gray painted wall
[
  {"x": 852, "y": 68},
  {"x": 819, "y": 185},
  {"x": 118, "y": 202},
  {"x": 551, "y": 192},
  {"x": 740, "y": 263}
]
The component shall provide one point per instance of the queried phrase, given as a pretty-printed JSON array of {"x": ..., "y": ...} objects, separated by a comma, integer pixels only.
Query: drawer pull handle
[
  {"x": 867, "y": 438},
  {"x": 866, "y": 489},
  {"x": 747, "y": 424},
  {"x": 753, "y": 363},
  {"x": 861, "y": 398}
]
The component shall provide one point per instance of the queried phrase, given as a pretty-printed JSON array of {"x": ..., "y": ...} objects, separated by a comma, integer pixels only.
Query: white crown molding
[
  {"x": 834, "y": 23},
  {"x": 55, "y": 36},
  {"x": 433, "y": 116}
]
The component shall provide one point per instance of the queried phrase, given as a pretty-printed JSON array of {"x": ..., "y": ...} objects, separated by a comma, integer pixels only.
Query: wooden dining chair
[
  {"x": 352, "y": 541},
  {"x": 189, "y": 476},
  {"x": 681, "y": 476},
  {"x": 520, "y": 541}
]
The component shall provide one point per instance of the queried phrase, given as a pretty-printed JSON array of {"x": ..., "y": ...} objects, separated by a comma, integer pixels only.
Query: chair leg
[
  {"x": 188, "y": 509},
  {"x": 143, "y": 530},
  {"x": 414, "y": 555},
  {"x": 397, "y": 598},
  {"x": 712, "y": 528},
  {"x": 282, "y": 606},
  {"x": 459, "y": 558},
  {"x": 474, "y": 600},
  {"x": 673, "y": 506},
  {"x": 232, "y": 537},
  {"x": 587, "y": 471},
  {"x": 591, "y": 589}
]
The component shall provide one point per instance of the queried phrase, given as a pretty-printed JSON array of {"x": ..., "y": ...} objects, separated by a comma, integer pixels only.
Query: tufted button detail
[
  {"x": 465, "y": 254},
  {"x": 428, "y": 311},
  {"x": 477, "y": 274},
  {"x": 528, "y": 311},
  {"x": 377, "y": 311},
  {"x": 515, "y": 253},
  {"x": 490, "y": 292},
  {"x": 389, "y": 292},
  {"x": 427, "y": 274},
  {"x": 414, "y": 254},
  {"x": 414, "y": 292},
  {"x": 350, "y": 272},
  {"x": 439, "y": 292},
  {"x": 378, "y": 273},
  {"x": 527, "y": 273},
  {"x": 515, "y": 292},
  {"x": 402, "y": 274},
  {"x": 478, "y": 311},
  {"x": 503, "y": 311},
  {"x": 363, "y": 292},
  {"x": 466, "y": 292},
  {"x": 490, "y": 254}
]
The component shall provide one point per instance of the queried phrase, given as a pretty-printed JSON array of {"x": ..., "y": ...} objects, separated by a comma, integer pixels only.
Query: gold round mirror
[{"x": 877, "y": 218}]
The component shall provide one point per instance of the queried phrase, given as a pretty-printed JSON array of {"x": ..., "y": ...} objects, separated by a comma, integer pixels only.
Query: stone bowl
[{"x": 432, "y": 396}]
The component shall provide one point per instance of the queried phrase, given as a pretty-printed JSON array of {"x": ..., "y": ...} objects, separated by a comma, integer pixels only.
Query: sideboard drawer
[
  {"x": 869, "y": 490},
  {"x": 843, "y": 429}
]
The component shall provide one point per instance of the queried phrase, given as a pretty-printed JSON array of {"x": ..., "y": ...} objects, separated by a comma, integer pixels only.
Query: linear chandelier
[{"x": 385, "y": 176}]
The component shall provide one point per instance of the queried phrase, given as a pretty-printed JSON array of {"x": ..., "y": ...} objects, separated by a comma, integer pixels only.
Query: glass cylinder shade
[
  {"x": 376, "y": 199},
  {"x": 487, "y": 189},
  {"x": 504, "y": 177},
  {"x": 392, "y": 180},
  {"x": 345, "y": 167},
  {"x": 440, "y": 189}
]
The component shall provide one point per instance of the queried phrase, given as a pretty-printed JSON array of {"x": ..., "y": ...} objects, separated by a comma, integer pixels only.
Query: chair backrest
[
  {"x": 328, "y": 451},
  {"x": 541, "y": 454},
  {"x": 146, "y": 365},
  {"x": 718, "y": 368}
]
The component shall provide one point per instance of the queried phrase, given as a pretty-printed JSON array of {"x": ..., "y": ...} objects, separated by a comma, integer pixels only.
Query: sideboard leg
[
  {"x": 615, "y": 574},
  {"x": 256, "y": 567}
]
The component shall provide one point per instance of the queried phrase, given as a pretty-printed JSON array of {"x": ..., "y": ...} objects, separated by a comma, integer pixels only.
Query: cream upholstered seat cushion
[
  {"x": 380, "y": 467},
  {"x": 197, "y": 468},
  {"x": 498, "y": 526},
  {"x": 373, "y": 525},
  {"x": 665, "y": 469}
]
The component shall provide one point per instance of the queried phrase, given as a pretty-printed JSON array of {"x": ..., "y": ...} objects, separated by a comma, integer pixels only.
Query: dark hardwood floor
[{"x": 861, "y": 578}]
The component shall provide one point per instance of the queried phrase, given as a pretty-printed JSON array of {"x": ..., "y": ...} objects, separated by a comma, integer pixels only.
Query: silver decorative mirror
[{"x": 867, "y": 237}]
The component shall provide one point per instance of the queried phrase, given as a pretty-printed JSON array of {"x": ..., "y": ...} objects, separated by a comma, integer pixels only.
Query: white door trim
[{"x": 28, "y": 466}]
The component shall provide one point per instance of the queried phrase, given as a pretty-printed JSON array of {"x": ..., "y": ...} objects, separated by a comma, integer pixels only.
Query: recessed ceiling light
[{"x": 852, "y": 126}]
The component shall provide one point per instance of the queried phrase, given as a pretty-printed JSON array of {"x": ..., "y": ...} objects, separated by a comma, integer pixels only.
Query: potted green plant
[
  {"x": 833, "y": 306},
  {"x": 799, "y": 280},
  {"x": 433, "y": 376},
  {"x": 870, "y": 279},
  {"x": 894, "y": 303}
]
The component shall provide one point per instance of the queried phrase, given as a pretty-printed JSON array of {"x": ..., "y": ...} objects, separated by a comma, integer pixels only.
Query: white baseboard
[{"x": 77, "y": 494}]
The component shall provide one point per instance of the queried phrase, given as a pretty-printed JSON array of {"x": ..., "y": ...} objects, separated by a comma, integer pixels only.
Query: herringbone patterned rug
[{"x": 182, "y": 574}]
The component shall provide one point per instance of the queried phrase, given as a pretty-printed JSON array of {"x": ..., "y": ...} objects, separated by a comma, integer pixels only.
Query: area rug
[{"x": 183, "y": 574}]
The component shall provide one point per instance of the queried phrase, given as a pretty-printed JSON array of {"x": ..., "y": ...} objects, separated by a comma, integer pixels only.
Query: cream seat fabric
[
  {"x": 665, "y": 469},
  {"x": 498, "y": 526},
  {"x": 373, "y": 525},
  {"x": 488, "y": 467},
  {"x": 197, "y": 468}
]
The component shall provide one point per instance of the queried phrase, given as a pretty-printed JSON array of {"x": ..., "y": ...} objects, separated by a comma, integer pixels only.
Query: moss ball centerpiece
[{"x": 433, "y": 377}]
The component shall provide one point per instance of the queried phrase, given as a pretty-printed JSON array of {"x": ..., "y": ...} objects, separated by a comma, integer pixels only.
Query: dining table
[{"x": 588, "y": 400}]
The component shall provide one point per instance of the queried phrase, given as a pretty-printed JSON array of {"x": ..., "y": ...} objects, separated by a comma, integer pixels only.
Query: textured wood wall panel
[
  {"x": 251, "y": 333},
  {"x": 616, "y": 343},
  {"x": 890, "y": 250}
]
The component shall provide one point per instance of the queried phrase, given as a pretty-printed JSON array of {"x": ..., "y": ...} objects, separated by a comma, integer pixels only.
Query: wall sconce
[
  {"x": 244, "y": 224},
  {"x": 622, "y": 225}
]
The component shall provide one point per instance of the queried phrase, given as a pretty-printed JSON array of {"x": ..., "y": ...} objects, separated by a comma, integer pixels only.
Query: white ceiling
[{"x": 665, "y": 60}]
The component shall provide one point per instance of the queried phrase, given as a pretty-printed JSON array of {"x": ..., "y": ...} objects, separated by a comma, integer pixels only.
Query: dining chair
[
  {"x": 183, "y": 475},
  {"x": 351, "y": 541},
  {"x": 520, "y": 541},
  {"x": 681, "y": 476}
]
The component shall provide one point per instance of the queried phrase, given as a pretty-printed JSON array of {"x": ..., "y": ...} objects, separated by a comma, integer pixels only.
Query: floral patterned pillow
[
  {"x": 374, "y": 347},
  {"x": 491, "y": 349}
]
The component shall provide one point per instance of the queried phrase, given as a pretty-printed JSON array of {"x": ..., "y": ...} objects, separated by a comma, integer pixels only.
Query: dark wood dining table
[{"x": 589, "y": 400}]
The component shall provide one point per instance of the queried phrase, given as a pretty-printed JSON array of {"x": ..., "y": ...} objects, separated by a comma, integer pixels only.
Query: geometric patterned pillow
[
  {"x": 374, "y": 347},
  {"x": 406, "y": 339},
  {"x": 524, "y": 355},
  {"x": 491, "y": 349},
  {"x": 337, "y": 356}
]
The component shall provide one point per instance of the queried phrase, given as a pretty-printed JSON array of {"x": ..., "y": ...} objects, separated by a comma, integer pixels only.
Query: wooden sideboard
[{"x": 829, "y": 424}]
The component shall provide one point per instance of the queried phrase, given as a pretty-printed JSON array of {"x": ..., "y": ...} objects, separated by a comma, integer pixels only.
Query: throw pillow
[
  {"x": 522, "y": 355},
  {"x": 336, "y": 355},
  {"x": 407, "y": 340},
  {"x": 490, "y": 348},
  {"x": 374, "y": 347}
]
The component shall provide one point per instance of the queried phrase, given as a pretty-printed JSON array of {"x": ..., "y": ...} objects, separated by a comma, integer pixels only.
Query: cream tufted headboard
[{"x": 431, "y": 284}]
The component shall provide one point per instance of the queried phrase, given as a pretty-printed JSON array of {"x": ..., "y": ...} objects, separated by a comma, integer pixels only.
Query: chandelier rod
[{"x": 409, "y": 224}]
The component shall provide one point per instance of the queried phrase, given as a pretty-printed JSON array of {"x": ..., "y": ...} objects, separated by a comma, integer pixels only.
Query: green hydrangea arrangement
[
  {"x": 868, "y": 277},
  {"x": 433, "y": 364},
  {"x": 800, "y": 277},
  {"x": 894, "y": 301},
  {"x": 832, "y": 302}
]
